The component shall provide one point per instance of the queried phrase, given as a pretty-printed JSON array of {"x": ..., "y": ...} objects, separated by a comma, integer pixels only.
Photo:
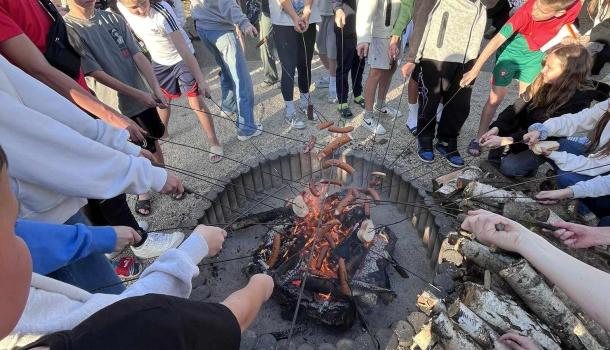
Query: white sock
[
  {"x": 412, "y": 118},
  {"x": 289, "y": 107},
  {"x": 439, "y": 112},
  {"x": 304, "y": 99},
  {"x": 332, "y": 84},
  {"x": 379, "y": 104},
  {"x": 368, "y": 115}
]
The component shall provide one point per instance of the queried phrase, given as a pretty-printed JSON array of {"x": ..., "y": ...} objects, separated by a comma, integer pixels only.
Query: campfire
[{"x": 330, "y": 239}]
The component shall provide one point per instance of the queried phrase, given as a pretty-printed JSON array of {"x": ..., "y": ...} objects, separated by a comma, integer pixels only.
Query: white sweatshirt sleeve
[
  {"x": 37, "y": 96},
  {"x": 364, "y": 20},
  {"x": 581, "y": 122},
  {"x": 596, "y": 187},
  {"x": 45, "y": 152},
  {"x": 591, "y": 166}
]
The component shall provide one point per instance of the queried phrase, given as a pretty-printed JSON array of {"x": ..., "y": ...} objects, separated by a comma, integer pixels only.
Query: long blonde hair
[
  {"x": 576, "y": 62},
  {"x": 594, "y": 7}
]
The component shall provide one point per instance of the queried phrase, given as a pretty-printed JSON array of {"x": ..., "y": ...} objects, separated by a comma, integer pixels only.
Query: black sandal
[
  {"x": 143, "y": 204},
  {"x": 474, "y": 148}
]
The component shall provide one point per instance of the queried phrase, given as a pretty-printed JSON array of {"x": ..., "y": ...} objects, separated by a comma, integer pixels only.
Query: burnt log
[
  {"x": 504, "y": 314},
  {"x": 474, "y": 326},
  {"x": 259, "y": 218},
  {"x": 450, "y": 335},
  {"x": 532, "y": 289}
]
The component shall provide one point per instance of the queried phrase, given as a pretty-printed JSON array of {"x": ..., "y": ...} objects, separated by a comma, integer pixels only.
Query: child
[
  {"x": 599, "y": 11},
  {"x": 560, "y": 88},
  {"x": 327, "y": 50},
  {"x": 374, "y": 25},
  {"x": 578, "y": 165},
  {"x": 348, "y": 61},
  {"x": 294, "y": 26},
  {"x": 445, "y": 43},
  {"x": 115, "y": 66},
  {"x": 216, "y": 22},
  {"x": 173, "y": 61},
  {"x": 519, "y": 56}
]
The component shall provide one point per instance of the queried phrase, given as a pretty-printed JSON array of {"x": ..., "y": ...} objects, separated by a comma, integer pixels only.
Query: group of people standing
[{"x": 87, "y": 94}]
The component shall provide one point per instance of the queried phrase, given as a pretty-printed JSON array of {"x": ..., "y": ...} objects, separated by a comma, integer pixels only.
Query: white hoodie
[
  {"x": 58, "y": 155},
  {"x": 55, "y": 306}
]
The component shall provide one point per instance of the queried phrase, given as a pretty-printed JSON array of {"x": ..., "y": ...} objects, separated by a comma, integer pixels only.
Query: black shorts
[
  {"x": 151, "y": 322},
  {"x": 150, "y": 121}
]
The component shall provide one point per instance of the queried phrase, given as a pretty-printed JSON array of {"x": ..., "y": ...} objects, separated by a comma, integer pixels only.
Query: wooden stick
[{"x": 532, "y": 289}]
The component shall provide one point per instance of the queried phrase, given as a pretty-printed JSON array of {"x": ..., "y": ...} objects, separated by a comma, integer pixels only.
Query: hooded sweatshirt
[
  {"x": 218, "y": 15},
  {"x": 376, "y": 19},
  {"x": 55, "y": 306},
  {"x": 58, "y": 155}
]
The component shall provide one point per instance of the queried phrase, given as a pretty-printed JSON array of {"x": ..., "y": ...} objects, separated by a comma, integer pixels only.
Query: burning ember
[{"x": 332, "y": 239}]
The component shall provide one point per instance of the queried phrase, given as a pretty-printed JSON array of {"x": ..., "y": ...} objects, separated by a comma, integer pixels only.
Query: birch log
[
  {"x": 528, "y": 213},
  {"x": 450, "y": 335},
  {"x": 532, "y": 289},
  {"x": 429, "y": 304},
  {"x": 602, "y": 336},
  {"x": 484, "y": 191},
  {"x": 468, "y": 175},
  {"x": 482, "y": 256},
  {"x": 504, "y": 314},
  {"x": 475, "y": 327}
]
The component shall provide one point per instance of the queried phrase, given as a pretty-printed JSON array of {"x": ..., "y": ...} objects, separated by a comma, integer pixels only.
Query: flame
[{"x": 323, "y": 297}]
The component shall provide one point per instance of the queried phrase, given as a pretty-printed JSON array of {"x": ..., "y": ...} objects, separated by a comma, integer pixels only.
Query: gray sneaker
[
  {"x": 259, "y": 130},
  {"x": 322, "y": 83},
  {"x": 294, "y": 121},
  {"x": 389, "y": 111},
  {"x": 373, "y": 126}
]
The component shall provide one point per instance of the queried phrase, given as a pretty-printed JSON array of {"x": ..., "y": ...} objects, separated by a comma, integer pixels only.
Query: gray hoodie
[{"x": 218, "y": 15}]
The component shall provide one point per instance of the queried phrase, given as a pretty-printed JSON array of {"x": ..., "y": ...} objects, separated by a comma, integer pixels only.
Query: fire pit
[{"x": 348, "y": 251}]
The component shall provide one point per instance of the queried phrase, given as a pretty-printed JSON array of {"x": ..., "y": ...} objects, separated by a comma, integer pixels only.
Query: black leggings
[
  {"x": 295, "y": 50},
  {"x": 111, "y": 212},
  {"x": 348, "y": 62}
]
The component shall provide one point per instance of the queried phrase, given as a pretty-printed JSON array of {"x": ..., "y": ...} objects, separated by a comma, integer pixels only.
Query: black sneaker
[
  {"x": 344, "y": 111},
  {"x": 450, "y": 152}
]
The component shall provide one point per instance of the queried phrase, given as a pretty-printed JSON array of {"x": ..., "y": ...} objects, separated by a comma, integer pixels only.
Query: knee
[
  {"x": 495, "y": 99},
  {"x": 510, "y": 167}
]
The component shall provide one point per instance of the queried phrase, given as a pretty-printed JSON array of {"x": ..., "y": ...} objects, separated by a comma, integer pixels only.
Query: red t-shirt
[
  {"x": 538, "y": 33},
  {"x": 30, "y": 18}
]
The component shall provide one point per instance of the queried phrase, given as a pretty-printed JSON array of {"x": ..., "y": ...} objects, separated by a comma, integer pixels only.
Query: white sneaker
[
  {"x": 143, "y": 225},
  {"x": 373, "y": 126},
  {"x": 259, "y": 130},
  {"x": 323, "y": 83},
  {"x": 157, "y": 243},
  {"x": 332, "y": 97},
  {"x": 294, "y": 121},
  {"x": 390, "y": 111}
]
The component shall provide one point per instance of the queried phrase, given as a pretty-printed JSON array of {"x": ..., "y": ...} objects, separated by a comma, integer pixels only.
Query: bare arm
[
  {"x": 22, "y": 51},
  {"x": 147, "y": 72},
  {"x": 584, "y": 284},
  {"x": 189, "y": 59},
  {"x": 488, "y": 51},
  {"x": 115, "y": 84}
]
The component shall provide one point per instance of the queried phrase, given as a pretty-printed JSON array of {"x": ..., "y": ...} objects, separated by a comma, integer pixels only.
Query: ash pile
[
  {"x": 331, "y": 240},
  {"x": 480, "y": 293}
]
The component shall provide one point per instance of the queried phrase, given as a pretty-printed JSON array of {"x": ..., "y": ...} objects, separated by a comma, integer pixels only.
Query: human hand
[
  {"x": 340, "y": 18},
  {"x": 160, "y": 98},
  {"x": 580, "y": 236},
  {"x": 136, "y": 133},
  {"x": 146, "y": 154},
  {"x": 469, "y": 77},
  {"x": 545, "y": 147},
  {"x": 125, "y": 236},
  {"x": 394, "y": 49},
  {"x": 491, "y": 132},
  {"x": 145, "y": 98},
  {"x": 483, "y": 225},
  {"x": 214, "y": 237},
  {"x": 518, "y": 342},
  {"x": 494, "y": 141},
  {"x": 363, "y": 50},
  {"x": 532, "y": 137},
  {"x": 299, "y": 25},
  {"x": 407, "y": 69},
  {"x": 552, "y": 197},
  {"x": 251, "y": 31},
  {"x": 204, "y": 89},
  {"x": 173, "y": 185}
]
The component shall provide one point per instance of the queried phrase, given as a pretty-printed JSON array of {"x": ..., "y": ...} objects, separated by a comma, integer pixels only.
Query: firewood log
[
  {"x": 429, "y": 303},
  {"x": 482, "y": 256},
  {"x": 468, "y": 175},
  {"x": 532, "y": 289},
  {"x": 481, "y": 190},
  {"x": 447, "y": 191},
  {"x": 450, "y": 335},
  {"x": 528, "y": 213},
  {"x": 475, "y": 327},
  {"x": 258, "y": 218},
  {"x": 424, "y": 339},
  {"x": 504, "y": 314},
  {"x": 443, "y": 180}
]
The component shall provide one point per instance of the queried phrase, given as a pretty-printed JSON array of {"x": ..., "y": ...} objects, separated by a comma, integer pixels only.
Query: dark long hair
[{"x": 596, "y": 135}]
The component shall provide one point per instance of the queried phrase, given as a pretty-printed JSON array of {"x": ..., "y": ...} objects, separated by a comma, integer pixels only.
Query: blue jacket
[{"x": 53, "y": 246}]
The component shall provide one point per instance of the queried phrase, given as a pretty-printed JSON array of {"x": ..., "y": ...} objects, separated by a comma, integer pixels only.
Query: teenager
[
  {"x": 294, "y": 31},
  {"x": 326, "y": 42},
  {"x": 561, "y": 87},
  {"x": 70, "y": 318}
]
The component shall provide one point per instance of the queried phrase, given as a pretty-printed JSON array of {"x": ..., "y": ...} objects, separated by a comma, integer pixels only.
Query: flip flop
[
  {"x": 474, "y": 148},
  {"x": 216, "y": 152},
  {"x": 143, "y": 204}
]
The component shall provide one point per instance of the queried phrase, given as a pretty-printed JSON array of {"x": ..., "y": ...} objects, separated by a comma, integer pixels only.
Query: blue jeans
[
  {"x": 90, "y": 273},
  {"x": 526, "y": 163},
  {"x": 235, "y": 81}
]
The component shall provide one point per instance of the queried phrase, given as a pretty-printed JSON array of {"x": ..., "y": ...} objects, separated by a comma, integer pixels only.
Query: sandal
[
  {"x": 216, "y": 154},
  {"x": 474, "y": 148},
  {"x": 143, "y": 204}
]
